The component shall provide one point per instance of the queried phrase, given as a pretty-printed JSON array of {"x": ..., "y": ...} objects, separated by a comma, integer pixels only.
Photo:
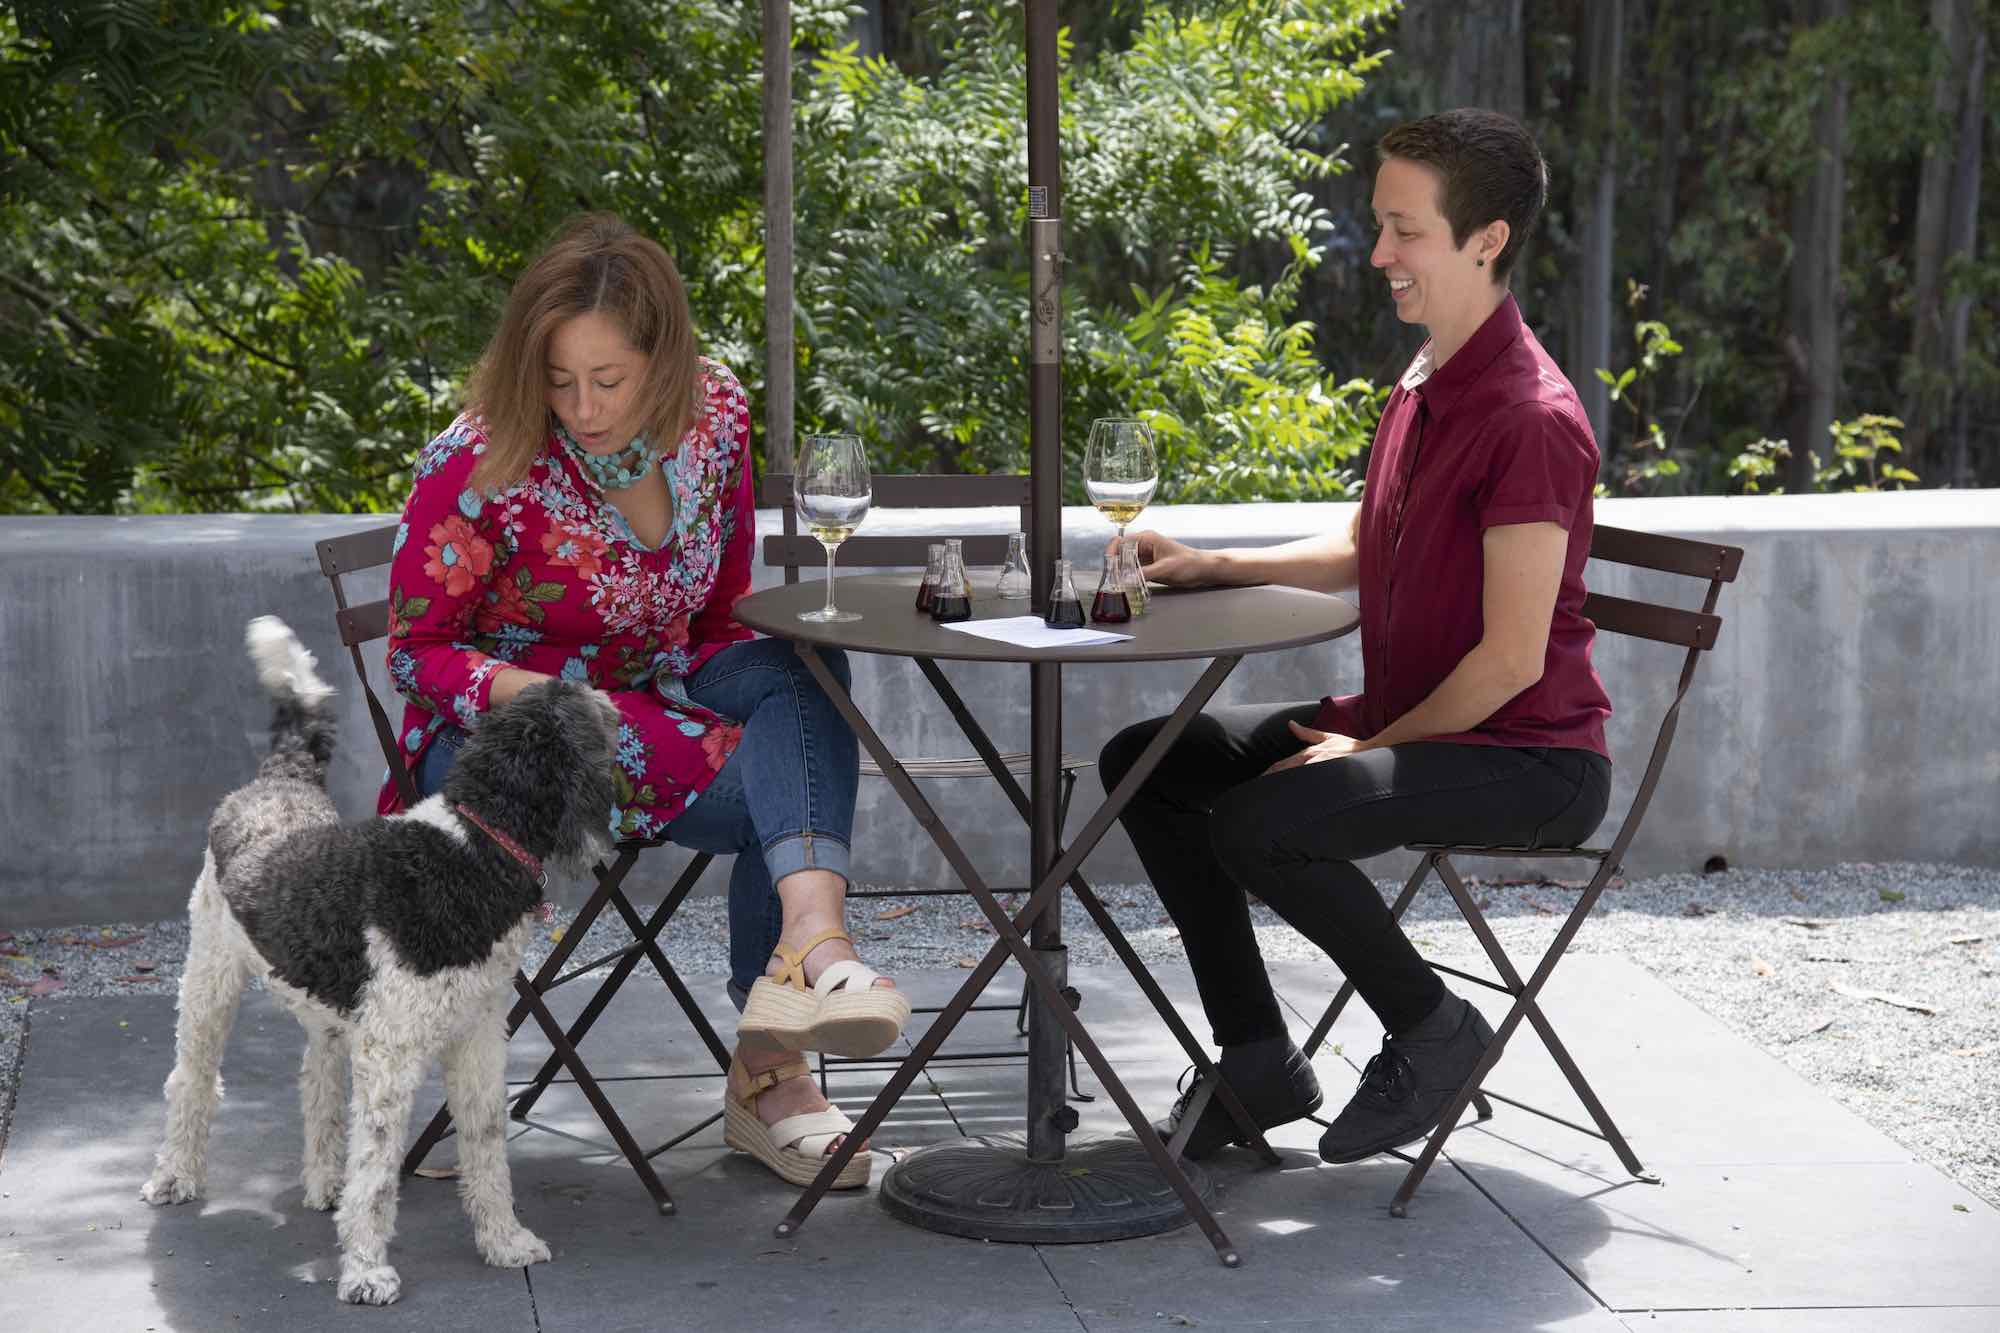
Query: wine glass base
[{"x": 825, "y": 617}]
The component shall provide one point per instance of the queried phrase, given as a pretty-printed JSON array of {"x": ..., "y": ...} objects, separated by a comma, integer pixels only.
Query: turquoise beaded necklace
[{"x": 613, "y": 472}]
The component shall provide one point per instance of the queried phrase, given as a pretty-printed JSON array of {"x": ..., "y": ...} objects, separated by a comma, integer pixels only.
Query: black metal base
[{"x": 987, "y": 1189}]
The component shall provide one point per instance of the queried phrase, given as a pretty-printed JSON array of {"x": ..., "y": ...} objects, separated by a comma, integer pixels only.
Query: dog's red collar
[{"x": 513, "y": 849}]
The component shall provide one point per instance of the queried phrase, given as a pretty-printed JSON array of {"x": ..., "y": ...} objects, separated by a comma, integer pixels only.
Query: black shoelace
[
  {"x": 1187, "y": 1091},
  {"x": 1388, "y": 1076}
]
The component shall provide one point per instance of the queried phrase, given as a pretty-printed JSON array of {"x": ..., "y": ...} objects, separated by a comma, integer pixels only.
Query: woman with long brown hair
[{"x": 589, "y": 515}]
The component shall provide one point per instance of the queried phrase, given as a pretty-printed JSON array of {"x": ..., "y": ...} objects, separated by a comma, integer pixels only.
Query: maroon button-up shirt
[{"x": 1493, "y": 437}]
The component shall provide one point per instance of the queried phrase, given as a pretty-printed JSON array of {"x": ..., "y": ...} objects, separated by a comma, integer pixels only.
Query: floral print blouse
[{"x": 548, "y": 576}]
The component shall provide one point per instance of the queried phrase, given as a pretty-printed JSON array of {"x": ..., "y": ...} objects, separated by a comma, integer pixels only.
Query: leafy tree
[{"x": 1182, "y": 153}]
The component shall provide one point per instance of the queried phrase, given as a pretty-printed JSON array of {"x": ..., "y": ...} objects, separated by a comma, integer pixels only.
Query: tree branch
[
  {"x": 48, "y": 160},
  {"x": 52, "y": 304}
]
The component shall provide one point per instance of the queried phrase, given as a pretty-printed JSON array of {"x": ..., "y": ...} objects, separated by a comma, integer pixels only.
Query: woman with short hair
[
  {"x": 1480, "y": 719},
  {"x": 589, "y": 515}
]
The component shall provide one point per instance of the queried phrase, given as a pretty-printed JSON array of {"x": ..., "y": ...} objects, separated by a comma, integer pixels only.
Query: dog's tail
[{"x": 302, "y": 724}]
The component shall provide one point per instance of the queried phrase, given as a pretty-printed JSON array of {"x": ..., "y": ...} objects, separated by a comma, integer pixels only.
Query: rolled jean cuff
[{"x": 806, "y": 851}]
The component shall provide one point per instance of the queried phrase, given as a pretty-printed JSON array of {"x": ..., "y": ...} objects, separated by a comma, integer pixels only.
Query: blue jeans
[{"x": 783, "y": 802}]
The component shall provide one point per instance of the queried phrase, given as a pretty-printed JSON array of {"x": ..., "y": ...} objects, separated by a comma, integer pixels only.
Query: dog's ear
[{"x": 590, "y": 732}]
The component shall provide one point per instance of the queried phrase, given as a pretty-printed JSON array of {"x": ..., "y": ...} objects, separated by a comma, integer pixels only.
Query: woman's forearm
[
  {"x": 1483, "y": 680},
  {"x": 1325, "y": 563},
  {"x": 511, "y": 682}
]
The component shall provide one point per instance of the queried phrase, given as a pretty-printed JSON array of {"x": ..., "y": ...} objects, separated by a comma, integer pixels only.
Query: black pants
[{"x": 1209, "y": 829}]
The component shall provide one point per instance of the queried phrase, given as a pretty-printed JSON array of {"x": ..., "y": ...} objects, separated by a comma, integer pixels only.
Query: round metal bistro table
[{"x": 1038, "y": 1186}]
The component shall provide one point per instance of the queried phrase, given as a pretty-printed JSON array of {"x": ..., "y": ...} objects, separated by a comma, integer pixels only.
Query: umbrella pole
[
  {"x": 1005, "y": 1186},
  {"x": 1049, "y": 1116}
]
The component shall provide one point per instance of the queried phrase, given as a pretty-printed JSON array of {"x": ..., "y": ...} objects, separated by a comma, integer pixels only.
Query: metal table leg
[{"x": 1011, "y": 942}]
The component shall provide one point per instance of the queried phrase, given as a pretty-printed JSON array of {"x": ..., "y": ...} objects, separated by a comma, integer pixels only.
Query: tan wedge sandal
[
  {"x": 795, "y": 1147},
  {"x": 843, "y": 1013}
]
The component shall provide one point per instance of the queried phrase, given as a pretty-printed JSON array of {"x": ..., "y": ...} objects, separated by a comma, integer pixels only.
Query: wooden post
[{"x": 780, "y": 356}]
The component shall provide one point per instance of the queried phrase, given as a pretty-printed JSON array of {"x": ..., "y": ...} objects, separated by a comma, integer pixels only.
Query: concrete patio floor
[{"x": 1779, "y": 1211}]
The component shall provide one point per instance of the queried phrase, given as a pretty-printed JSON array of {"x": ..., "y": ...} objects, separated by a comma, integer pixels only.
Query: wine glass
[
  {"x": 831, "y": 494},
  {"x": 1121, "y": 471}
]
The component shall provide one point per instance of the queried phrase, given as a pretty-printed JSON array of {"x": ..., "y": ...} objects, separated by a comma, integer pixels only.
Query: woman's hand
[
  {"x": 1164, "y": 560},
  {"x": 1320, "y": 746}
]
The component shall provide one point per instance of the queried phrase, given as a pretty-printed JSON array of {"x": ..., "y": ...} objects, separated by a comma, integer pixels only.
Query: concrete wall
[{"x": 1847, "y": 715}]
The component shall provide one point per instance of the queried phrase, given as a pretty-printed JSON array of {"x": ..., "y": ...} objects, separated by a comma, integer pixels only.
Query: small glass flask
[
  {"x": 1132, "y": 577},
  {"x": 952, "y": 601},
  {"x": 1015, "y": 582},
  {"x": 1065, "y": 607},
  {"x": 954, "y": 554},
  {"x": 933, "y": 571},
  {"x": 1111, "y": 606}
]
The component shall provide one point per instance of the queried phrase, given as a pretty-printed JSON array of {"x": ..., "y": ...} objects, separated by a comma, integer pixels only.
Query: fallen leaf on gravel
[
  {"x": 437, "y": 1172},
  {"x": 1762, "y": 968},
  {"x": 1970, "y": 1051},
  {"x": 1696, "y": 909},
  {"x": 45, "y": 985},
  {"x": 892, "y": 913},
  {"x": 118, "y": 943},
  {"x": 975, "y": 923},
  {"x": 1891, "y": 895},
  {"x": 144, "y": 965},
  {"x": 1965, "y": 939},
  {"x": 1960, "y": 1208},
  {"x": 966, "y": 962},
  {"x": 135, "y": 977},
  {"x": 1900, "y": 1001},
  {"x": 1803, "y": 924}
]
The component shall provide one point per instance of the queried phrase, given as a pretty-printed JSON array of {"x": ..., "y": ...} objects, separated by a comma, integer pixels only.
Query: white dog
[{"x": 393, "y": 941}]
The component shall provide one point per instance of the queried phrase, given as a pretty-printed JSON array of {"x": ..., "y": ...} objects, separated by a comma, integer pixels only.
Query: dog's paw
[
  {"x": 322, "y": 1197},
  {"x": 517, "y": 1249},
  {"x": 370, "y": 1286},
  {"x": 169, "y": 1186}
]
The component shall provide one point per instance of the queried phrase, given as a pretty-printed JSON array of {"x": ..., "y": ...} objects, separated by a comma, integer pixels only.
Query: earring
[{"x": 1479, "y": 263}]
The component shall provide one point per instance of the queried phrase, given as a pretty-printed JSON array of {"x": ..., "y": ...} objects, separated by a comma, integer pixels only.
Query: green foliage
[
  {"x": 1865, "y": 450},
  {"x": 1643, "y": 459},
  {"x": 249, "y": 251},
  {"x": 1180, "y": 151},
  {"x": 1238, "y": 405}
]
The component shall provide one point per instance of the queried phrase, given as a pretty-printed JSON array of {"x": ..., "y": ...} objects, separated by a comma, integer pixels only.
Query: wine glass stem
[{"x": 830, "y": 549}]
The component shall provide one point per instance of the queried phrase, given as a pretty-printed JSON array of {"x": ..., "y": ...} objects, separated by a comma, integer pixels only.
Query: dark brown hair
[
  {"x": 595, "y": 263},
  {"x": 1491, "y": 170}
]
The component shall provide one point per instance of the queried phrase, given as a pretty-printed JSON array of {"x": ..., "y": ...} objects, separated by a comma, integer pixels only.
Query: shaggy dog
[{"x": 393, "y": 941}]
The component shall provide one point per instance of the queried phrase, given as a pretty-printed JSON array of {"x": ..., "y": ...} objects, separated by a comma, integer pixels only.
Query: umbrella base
[{"x": 987, "y": 1189}]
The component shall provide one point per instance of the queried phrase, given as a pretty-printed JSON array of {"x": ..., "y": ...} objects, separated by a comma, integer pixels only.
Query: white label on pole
[{"x": 1038, "y": 201}]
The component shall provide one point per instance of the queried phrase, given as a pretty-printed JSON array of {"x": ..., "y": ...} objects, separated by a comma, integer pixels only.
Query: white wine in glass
[
  {"x": 1120, "y": 473},
  {"x": 831, "y": 494}
]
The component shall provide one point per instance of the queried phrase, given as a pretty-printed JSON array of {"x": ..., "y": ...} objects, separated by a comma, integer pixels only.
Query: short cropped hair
[
  {"x": 596, "y": 263},
  {"x": 1491, "y": 169}
]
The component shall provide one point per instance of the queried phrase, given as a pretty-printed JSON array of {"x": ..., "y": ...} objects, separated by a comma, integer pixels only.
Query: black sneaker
[
  {"x": 1406, "y": 1085},
  {"x": 1273, "y": 1080}
]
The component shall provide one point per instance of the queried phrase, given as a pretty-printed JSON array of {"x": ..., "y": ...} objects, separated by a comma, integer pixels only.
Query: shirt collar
[{"x": 1442, "y": 386}]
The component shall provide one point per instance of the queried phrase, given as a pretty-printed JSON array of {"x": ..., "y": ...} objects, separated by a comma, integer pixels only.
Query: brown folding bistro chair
[
  {"x": 1696, "y": 631},
  {"x": 340, "y": 557},
  {"x": 794, "y": 551}
]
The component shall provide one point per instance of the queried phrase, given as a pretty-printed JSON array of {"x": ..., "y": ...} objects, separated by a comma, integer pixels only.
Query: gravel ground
[{"x": 1878, "y": 983}]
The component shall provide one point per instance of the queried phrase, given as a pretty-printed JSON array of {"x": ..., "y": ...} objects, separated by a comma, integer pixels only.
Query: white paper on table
[{"x": 1030, "y": 632}]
